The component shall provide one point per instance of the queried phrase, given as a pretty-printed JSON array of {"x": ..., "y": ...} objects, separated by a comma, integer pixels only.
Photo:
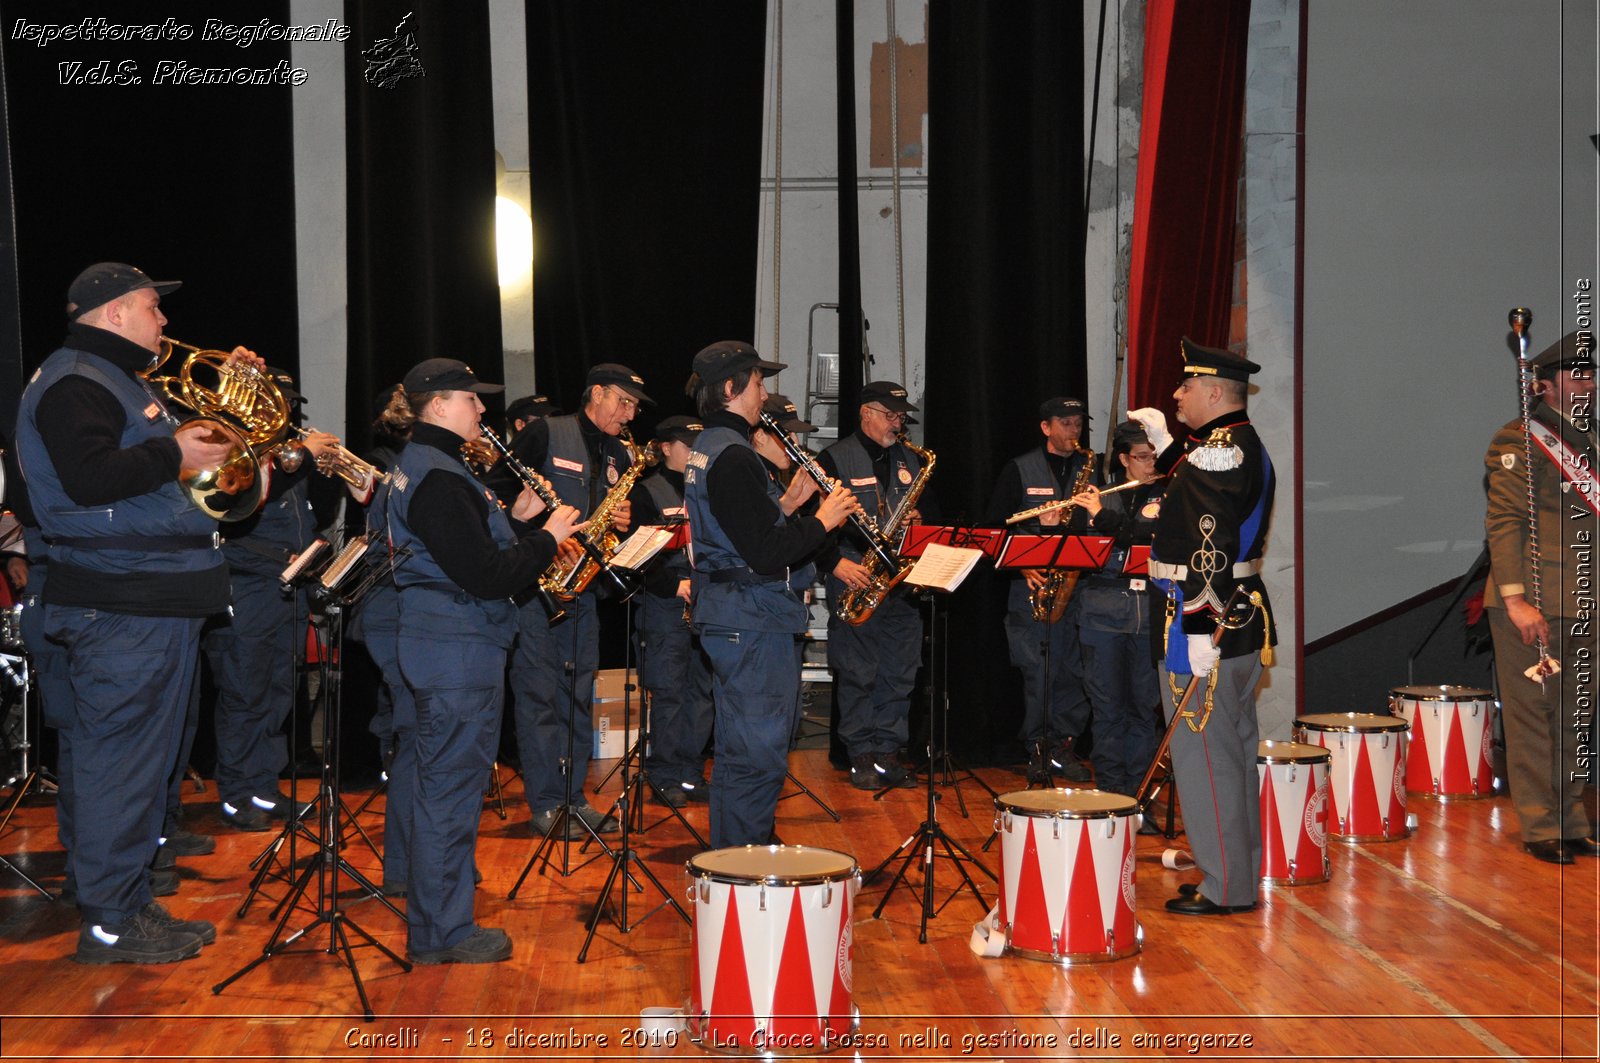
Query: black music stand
[
  {"x": 926, "y": 843},
  {"x": 328, "y": 862},
  {"x": 14, "y": 663},
  {"x": 1051, "y": 552}
]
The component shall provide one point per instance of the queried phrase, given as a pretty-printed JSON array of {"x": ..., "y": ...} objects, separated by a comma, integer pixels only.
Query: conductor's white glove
[
  {"x": 1202, "y": 655},
  {"x": 1154, "y": 423}
]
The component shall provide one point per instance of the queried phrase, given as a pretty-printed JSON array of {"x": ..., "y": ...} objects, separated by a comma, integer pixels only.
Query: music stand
[
  {"x": 14, "y": 663},
  {"x": 940, "y": 570},
  {"x": 1052, "y": 552},
  {"x": 328, "y": 862}
]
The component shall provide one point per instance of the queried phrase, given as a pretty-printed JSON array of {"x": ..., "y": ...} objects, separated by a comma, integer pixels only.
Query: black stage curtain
[
  {"x": 422, "y": 272},
  {"x": 645, "y": 134},
  {"x": 1005, "y": 290},
  {"x": 184, "y": 181}
]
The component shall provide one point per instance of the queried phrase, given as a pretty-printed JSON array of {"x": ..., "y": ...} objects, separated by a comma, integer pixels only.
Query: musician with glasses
[
  {"x": 1053, "y": 720},
  {"x": 457, "y": 622},
  {"x": 1114, "y": 618},
  {"x": 874, "y": 663},
  {"x": 750, "y": 575},
  {"x": 134, "y": 570},
  {"x": 552, "y": 668}
]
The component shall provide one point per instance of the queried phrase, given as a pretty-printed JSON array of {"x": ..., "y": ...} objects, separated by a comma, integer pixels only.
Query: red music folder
[{"x": 1054, "y": 551}]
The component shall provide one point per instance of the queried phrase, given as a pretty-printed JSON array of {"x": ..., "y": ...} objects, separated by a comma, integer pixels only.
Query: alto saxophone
[
  {"x": 565, "y": 579},
  {"x": 1049, "y": 600},
  {"x": 857, "y": 604}
]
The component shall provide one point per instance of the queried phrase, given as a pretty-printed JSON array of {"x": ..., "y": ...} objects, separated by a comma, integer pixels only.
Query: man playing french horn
[
  {"x": 584, "y": 458},
  {"x": 1055, "y": 708},
  {"x": 134, "y": 570}
]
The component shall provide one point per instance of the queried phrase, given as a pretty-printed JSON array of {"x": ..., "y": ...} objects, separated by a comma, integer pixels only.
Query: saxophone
[
  {"x": 856, "y": 605},
  {"x": 1049, "y": 600},
  {"x": 565, "y": 579}
]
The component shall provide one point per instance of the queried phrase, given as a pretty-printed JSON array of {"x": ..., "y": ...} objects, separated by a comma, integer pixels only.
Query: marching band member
[
  {"x": 134, "y": 571},
  {"x": 1114, "y": 619},
  {"x": 582, "y": 458},
  {"x": 672, "y": 667},
  {"x": 1209, "y": 538},
  {"x": 457, "y": 622},
  {"x": 1053, "y": 720},
  {"x": 874, "y": 663},
  {"x": 749, "y": 605},
  {"x": 1542, "y": 746}
]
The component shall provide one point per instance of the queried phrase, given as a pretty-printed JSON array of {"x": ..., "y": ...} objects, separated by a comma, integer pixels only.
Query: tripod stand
[
  {"x": 14, "y": 663},
  {"x": 925, "y": 844},
  {"x": 328, "y": 862}
]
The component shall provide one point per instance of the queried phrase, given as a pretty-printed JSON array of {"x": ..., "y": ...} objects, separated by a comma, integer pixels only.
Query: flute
[{"x": 1063, "y": 503}]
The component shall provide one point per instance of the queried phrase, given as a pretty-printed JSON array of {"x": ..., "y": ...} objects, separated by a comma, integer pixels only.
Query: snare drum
[
  {"x": 1451, "y": 755},
  {"x": 1066, "y": 875},
  {"x": 1367, "y": 773},
  {"x": 1294, "y": 813},
  {"x": 771, "y": 964}
]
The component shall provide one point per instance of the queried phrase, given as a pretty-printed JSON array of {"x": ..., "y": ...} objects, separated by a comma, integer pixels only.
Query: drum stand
[
  {"x": 15, "y": 666},
  {"x": 328, "y": 862},
  {"x": 925, "y": 844}
]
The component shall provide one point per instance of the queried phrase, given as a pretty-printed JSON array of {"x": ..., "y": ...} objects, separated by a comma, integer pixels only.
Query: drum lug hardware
[
  {"x": 1293, "y": 769},
  {"x": 1055, "y": 828},
  {"x": 1055, "y": 946},
  {"x": 1111, "y": 941},
  {"x": 1111, "y": 828},
  {"x": 827, "y": 894},
  {"x": 762, "y": 906}
]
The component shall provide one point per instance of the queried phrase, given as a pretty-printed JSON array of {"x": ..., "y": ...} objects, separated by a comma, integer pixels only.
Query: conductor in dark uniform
[
  {"x": 1208, "y": 540},
  {"x": 749, "y": 606},
  {"x": 457, "y": 622}
]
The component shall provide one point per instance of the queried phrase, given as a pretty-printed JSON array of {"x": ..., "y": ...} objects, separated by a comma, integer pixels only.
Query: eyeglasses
[
  {"x": 628, "y": 401},
  {"x": 887, "y": 415},
  {"x": 1142, "y": 457}
]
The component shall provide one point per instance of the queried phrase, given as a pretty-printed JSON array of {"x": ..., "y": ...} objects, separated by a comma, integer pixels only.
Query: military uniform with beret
[{"x": 1542, "y": 744}]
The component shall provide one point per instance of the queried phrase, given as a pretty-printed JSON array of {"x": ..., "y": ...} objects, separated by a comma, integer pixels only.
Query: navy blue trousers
[
  {"x": 755, "y": 686},
  {"x": 542, "y": 698},
  {"x": 253, "y": 663},
  {"x": 1054, "y": 705},
  {"x": 874, "y": 670},
  {"x": 675, "y": 672}
]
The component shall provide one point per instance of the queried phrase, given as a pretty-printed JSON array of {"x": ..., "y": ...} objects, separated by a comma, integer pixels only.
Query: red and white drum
[
  {"x": 1367, "y": 773},
  {"x": 771, "y": 964},
  {"x": 1066, "y": 875},
  {"x": 1294, "y": 813},
  {"x": 1452, "y": 740}
]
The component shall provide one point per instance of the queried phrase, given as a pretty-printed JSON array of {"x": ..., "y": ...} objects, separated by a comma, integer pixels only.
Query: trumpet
[
  {"x": 337, "y": 460},
  {"x": 1065, "y": 503}
]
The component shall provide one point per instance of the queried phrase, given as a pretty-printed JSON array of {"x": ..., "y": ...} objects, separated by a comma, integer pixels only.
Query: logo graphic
[{"x": 391, "y": 60}]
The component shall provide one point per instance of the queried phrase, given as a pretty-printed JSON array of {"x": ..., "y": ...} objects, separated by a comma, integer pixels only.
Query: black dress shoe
[
  {"x": 1554, "y": 851},
  {"x": 1188, "y": 889},
  {"x": 1196, "y": 904},
  {"x": 1589, "y": 846}
]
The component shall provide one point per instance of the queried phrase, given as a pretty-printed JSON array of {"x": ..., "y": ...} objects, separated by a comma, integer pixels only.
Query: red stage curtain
[{"x": 1186, "y": 197}]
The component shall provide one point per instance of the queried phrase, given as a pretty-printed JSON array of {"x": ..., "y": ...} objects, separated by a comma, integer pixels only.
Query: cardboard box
[
  {"x": 610, "y": 684},
  {"x": 608, "y": 738}
]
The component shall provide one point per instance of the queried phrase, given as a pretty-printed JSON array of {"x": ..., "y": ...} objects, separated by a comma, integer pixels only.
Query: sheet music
[
  {"x": 341, "y": 565},
  {"x": 943, "y": 567},
  {"x": 641, "y": 546}
]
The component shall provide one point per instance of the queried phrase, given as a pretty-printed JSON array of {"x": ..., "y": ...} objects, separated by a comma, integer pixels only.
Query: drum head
[
  {"x": 1360, "y": 722},
  {"x": 1071, "y": 804},
  {"x": 1271, "y": 752},
  {"x": 773, "y": 865},
  {"x": 1441, "y": 693}
]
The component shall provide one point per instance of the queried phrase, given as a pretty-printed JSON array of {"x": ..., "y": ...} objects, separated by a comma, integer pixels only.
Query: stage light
[{"x": 513, "y": 231}]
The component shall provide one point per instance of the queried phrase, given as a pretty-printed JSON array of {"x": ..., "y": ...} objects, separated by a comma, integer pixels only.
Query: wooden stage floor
[{"x": 1452, "y": 944}]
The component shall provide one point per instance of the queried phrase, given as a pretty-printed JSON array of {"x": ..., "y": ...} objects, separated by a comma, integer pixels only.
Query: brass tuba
[
  {"x": 1049, "y": 600},
  {"x": 856, "y": 605},
  {"x": 238, "y": 403}
]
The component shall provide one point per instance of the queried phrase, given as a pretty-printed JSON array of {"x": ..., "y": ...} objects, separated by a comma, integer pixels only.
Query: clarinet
[
  {"x": 862, "y": 523},
  {"x": 551, "y": 500}
]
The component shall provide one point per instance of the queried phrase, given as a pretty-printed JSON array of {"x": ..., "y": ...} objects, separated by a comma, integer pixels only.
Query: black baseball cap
[
  {"x": 722, "y": 359},
  {"x": 679, "y": 429},
  {"x": 889, "y": 395},
  {"x": 105, "y": 281},
  {"x": 285, "y": 381},
  {"x": 446, "y": 374},
  {"x": 1062, "y": 406},
  {"x": 618, "y": 376},
  {"x": 1575, "y": 350},
  {"x": 782, "y": 410},
  {"x": 1215, "y": 362}
]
